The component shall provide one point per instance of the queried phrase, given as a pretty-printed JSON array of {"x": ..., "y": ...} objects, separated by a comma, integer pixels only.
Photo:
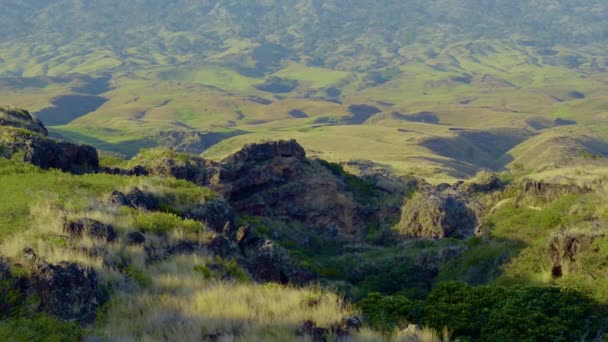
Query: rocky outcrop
[
  {"x": 436, "y": 215},
  {"x": 268, "y": 262},
  {"x": 136, "y": 199},
  {"x": 21, "y": 118},
  {"x": 27, "y": 138},
  {"x": 135, "y": 239},
  {"x": 549, "y": 191},
  {"x": 336, "y": 332},
  {"x": 484, "y": 182},
  {"x": 275, "y": 179},
  {"x": 217, "y": 215},
  {"x": 68, "y": 291},
  {"x": 310, "y": 331},
  {"x": 169, "y": 163},
  {"x": 563, "y": 249},
  {"x": 91, "y": 228}
]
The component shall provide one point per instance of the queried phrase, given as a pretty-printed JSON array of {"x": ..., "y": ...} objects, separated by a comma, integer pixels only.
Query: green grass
[
  {"x": 158, "y": 222},
  {"x": 214, "y": 76},
  {"x": 25, "y": 187},
  {"x": 311, "y": 76},
  {"x": 510, "y": 85}
]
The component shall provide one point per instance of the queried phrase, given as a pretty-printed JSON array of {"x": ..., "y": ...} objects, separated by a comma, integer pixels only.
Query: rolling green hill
[{"x": 398, "y": 79}]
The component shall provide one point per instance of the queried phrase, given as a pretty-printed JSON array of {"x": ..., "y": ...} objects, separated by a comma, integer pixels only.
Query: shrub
[
  {"x": 138, "y": 275},
  {"x": 40, "y": 327},
  {"x": 157, "y": 222},
  {"x": 494, "y": 313},
  {"x": 385, "y": 313}
]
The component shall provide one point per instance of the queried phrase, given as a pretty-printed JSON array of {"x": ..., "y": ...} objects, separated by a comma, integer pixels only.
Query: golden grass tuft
[{"x": 187, "y": 306}]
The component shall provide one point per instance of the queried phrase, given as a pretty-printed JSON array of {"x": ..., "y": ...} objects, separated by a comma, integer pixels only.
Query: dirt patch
[{"x": 481, "y": 148}]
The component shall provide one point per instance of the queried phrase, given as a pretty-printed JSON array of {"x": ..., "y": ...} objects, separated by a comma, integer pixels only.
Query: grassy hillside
[
  {"x": 225, "y": 70},
  {"x": 420, "y": 101}
]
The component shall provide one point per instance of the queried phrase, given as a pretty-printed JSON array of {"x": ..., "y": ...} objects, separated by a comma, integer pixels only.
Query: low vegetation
[{"x": 166, "y": 257}]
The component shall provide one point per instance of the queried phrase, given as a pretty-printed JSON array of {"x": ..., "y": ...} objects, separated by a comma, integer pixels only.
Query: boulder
[
  {"x": 91, "y": 228},
  {"x": 187, "y": 247},
  {"x": 136, "y": 199},
  {"x": 135, "y": 238},
  {"x": 351, "y": 323},
  {"x": 310, "y": 330},
  {"x": 217, "y": 215},
  {"x": 270, "y": 263},
  {"x": 436, "y": 215},
  {"x": 222, "y": 247},
  {"x": 68, "y": 291}
]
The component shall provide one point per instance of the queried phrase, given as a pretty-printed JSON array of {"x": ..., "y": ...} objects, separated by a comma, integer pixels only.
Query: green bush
[
  {"x": 493, "y": 313},
  {"x": 11, "y": 300},
  {"x": 402, "y": 277},
  {"x": 157, "y": 222},
  {"x": 138, "y": 275},
  {"x": 204, "y": 270},
  {"x": 385, "y": 313},
  {"x": 39, "y": 328}
]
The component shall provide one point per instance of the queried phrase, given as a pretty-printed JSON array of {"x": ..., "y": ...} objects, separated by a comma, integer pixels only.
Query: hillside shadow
[
  {"x": 68, "y": 108},
  {"x": 486, "y": 149}
]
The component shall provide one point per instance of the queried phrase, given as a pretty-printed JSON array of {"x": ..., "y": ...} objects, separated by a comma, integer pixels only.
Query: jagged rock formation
[
  {"x": 549, "y": 191},
  {"x": 67, "y": 291},
  {"x": 275, "y": 179},
  {"x": 563, "y": 249},
  {"x": 26, "y": 137},
  {"x": 445, "y": 210}
]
